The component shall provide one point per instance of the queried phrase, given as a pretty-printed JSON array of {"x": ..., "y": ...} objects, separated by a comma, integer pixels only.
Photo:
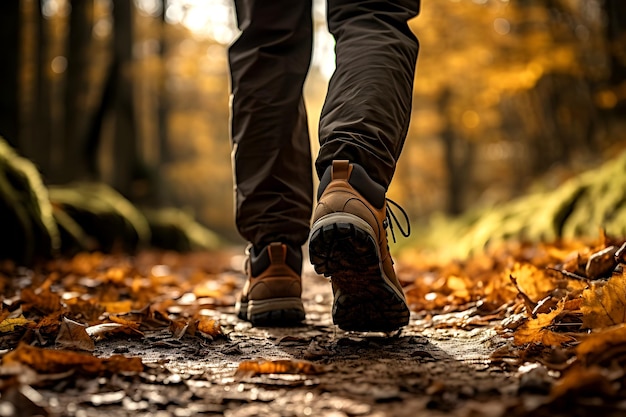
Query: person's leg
[
  {"x": 271, "y": 150},
  {"x": 362, "y": 129},
  {"x": 271, "y": 154},
  {"x": 366, "y": 114}
]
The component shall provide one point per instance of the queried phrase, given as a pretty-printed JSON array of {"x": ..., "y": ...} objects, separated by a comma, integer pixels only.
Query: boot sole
[
  {"x": 274, "y": 312},
  {"x": 342, "y": 246}
]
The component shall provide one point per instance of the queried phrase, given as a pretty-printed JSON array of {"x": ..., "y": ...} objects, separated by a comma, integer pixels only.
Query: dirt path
[{"x": 419, "y": 371}]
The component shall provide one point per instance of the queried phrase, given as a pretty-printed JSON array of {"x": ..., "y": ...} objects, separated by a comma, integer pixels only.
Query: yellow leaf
[
  {"x": 604, "y": 303},
  {"x": 537, "y": 330},
  {"x": 534, "y": 282},
  {"x": 584, "y": 381},
  {"x": 280, "y": 366},
  {"x": 118, "y": 307},
  {"x": 602, "y": 345},
  {"x": 8, "y": 325}
]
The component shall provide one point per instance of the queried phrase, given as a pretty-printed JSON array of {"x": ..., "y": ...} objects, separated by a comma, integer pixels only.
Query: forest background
[{"x": 511, "y": 96}]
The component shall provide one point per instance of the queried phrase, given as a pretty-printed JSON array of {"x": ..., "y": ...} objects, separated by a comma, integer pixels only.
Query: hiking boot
[
  {"x": 348, "y": 243},
  {"x": 272, "y": 294}
]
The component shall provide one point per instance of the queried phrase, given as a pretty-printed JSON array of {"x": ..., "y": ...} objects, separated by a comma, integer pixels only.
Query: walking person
[{"x": 363, "y": 125}]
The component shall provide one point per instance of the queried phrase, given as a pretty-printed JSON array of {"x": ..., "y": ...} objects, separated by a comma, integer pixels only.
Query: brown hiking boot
[
  {"x": 272, "y": 294},
  {"x": 348, "y": 242}
]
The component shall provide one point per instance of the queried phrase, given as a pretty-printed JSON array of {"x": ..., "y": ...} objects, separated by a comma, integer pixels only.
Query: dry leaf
[
  {"x": 56, "y": 361},
  {"x": 532, "y": 281},
  {"x": 604, "y": 303},
  {"x": 124, "y": 321},
  {"x": 180, "y": 327},
  {"x": 209, "y": 327},
  {"x": 118, "y": 307},
  {"x": 537, "y": 330},
  {"x": 279, "y": 366},
  {"x": 73, "y": 335},
  {"x": 44, "y": 301},
  {"x": 583, "y": 381},
  {"x": 602, "y": 345},
  {"x": 89, "y": 310},
  {"x": 9, "y": 324}
]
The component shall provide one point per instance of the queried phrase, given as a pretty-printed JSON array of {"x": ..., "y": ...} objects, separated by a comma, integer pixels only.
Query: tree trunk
[
  {"x": 77, "y": 113},
  {"x": 615, "y": 12},
  {"x": 163, "y": 113},
  {"x": 41, "y": 152},
  {"x": 9, "y": 70},
  {"x": 125, "y": 145}
]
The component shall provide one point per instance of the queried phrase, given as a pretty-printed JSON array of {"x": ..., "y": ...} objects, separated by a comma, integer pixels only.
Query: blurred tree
[
  {"x": 78, "y": 113},
  {"x": 125, "y": 145},
  {"x": 9, "y": 69},
  {"x": 615, "y": 11},
  {"x": 43, "y": 132}
]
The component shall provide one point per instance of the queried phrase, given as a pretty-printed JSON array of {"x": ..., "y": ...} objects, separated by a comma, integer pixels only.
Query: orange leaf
[
  {"x": 180, "y": 327},
  {"x": 280, "y": 366},
  {"x": 52, "y": 361},
  {"x": 537, "y": 331},
  {"x": 118, "y": 307},
  {"x": 584, "y": 381},
  {"x": 44, "y": 301},
  {"x": 604, "y": 304},
  {"x": 533, "y": 282},
  {"x": 602, "y": 344},
  {"x": 56, "y": 361},
  {"x": 88, "y": 310},
  {"x": 209, "y": 327},
  {"x": 125, "y": 322}
]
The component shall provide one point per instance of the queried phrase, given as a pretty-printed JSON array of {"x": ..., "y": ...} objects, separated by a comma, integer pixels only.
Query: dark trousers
[{"x": 364, "y": 119}]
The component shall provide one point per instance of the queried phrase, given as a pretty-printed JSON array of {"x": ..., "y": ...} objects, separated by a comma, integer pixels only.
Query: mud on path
[{"x": 419, "y": 371}]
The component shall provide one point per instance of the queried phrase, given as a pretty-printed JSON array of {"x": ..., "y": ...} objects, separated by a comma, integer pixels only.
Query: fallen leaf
[
  {"x": 532, "y": 281},
  {"x": 209, "y": 327},
  {"x": 9, "y": 324},
  {"x": 582, "y": 381},
  {"x": 118, "y": 307},
  {"x": 125, "y": 322},
  {"x": 100, "y": 331},
  {"x": 279, "y": 366},
  {"x": 73, "y": 335},
  {"x": 602, "y": 345},
  {"x": 179, "y": 328},
  {"x": 44, "y": 301},
  {"x": 56, "y": 361},
  {"x": 604, "y": 303},
  {"x": 89, "y": 310},
  {"x": 537, "y": 330}
]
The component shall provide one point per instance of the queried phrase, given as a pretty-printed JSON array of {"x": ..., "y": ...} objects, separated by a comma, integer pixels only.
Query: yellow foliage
[
  {"x": 8, "y": 325},
  {"x": 604, "y": 303},
  {"x": 538, "y": 330}
]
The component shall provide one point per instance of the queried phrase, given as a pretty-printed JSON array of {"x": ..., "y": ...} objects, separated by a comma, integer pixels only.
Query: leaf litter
[{"x": 549, "y": 321}]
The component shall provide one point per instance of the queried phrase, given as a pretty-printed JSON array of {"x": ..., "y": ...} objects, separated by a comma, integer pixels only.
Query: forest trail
[{"x": 188, "y": 353}]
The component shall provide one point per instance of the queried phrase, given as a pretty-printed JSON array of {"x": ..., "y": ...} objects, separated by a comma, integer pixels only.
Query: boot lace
[{"x": 392, "y": 216}]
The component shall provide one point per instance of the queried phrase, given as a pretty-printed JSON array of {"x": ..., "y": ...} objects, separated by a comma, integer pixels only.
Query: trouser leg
[
  {"x": 271, "y": 149},
  {"x": 366, "y": 114}
]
